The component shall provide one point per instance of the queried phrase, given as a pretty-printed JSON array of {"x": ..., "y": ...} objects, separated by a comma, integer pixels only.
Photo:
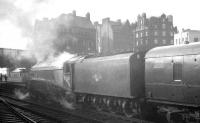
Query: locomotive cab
[{"x": 67, "y": 75}]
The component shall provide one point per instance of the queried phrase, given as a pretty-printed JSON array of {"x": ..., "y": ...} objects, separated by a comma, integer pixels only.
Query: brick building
[
  {"x": 113, "y": 37},
  {"x": 8, "y": 57},
  {"x": 153, "y": 31},
  {"x": 68, "y": 32},
  {"x": 10, "y": 52},
  {"x": 186, "y": 36}
]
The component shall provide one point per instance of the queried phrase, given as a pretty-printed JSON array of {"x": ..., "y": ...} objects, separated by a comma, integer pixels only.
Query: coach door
[
  {"x": 191, "y": 73},
  {"x": 177, "y": 76}
]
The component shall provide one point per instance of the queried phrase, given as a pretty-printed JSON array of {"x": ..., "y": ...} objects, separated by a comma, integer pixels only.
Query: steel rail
[{"x": 23, "y": 117}]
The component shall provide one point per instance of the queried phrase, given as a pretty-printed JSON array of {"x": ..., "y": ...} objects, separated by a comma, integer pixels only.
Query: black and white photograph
[{"x": 99, "y": 61}]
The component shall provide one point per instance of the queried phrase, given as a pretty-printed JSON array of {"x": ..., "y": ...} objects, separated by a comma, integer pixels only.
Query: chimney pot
[
  {"x": 74, "y": 13},
  {"x": 88, "y": 16}
]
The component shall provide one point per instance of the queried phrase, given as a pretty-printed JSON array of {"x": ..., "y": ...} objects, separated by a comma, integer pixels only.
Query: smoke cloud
[
  {"x": 66, "y": 104},
  {"x": 52, "y": 37},
  {"x": 20, "y": 94},
  {"x": 17, "y": 20}
]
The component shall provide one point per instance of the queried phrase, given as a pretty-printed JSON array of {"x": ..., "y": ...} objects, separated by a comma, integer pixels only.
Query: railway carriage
[{"x": 172, "y": 79}]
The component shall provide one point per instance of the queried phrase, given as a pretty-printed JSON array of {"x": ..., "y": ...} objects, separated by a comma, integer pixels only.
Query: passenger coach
[{"x": 172, "y": 79}]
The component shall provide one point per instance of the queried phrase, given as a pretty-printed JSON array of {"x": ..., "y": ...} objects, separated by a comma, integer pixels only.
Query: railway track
[
  {"x": 41, "y": 113},
  {"x": 12, "y": 114},
  {"x": 27, "y": 111},
  {"x": 21, "y": 111},
  {"x": 9, "y": 87}
]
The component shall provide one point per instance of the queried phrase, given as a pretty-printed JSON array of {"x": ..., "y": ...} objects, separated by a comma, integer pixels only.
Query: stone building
[
  {"x": 8, "y": 57},
  {"x": 68, "y": 32},
  {"x": 152, "y": 32},
  {"x": 113, "y": 36},
  {"x": 186, "y": 36},
  {"x": 14, "y": 53}
]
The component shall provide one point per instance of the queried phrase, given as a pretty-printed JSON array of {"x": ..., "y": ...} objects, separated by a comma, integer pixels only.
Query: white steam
[
  {"x": 55, "y": 61},
  {"x": 17, "y": 19},
  {"x": 66, "y": 104},
  {"x": 20, "y": 94}
]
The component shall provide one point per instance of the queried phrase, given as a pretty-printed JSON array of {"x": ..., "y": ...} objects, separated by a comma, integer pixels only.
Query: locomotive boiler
[
  {"x": 51, "y": 81},
  {"x": 47, "y": 83}
]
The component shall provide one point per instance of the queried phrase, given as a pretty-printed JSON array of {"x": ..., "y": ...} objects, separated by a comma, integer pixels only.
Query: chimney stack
[
  {"x": 74, "y": 13},
  {"x": 88, "y": 16},
  {"x": 119, "y": 21},
  {"x": 105, "y": 20},
  {"x": 170, "y": 18}
]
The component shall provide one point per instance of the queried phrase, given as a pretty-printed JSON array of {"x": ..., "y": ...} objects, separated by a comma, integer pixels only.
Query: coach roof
[
  {"x": 109, "y": 58},
  {"x": 174, "y": 50}
]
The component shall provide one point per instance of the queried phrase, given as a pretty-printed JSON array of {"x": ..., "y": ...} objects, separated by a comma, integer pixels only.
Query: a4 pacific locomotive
[{"x": 162, "y": 82}]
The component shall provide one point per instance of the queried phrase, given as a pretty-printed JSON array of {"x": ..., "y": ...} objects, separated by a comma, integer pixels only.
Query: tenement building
[
  {"x": 186, "y": 36},
  {"x": 113, "y": 37},
  {"x": 68, "y": 32},
  {"x": 14, "y": 53},
  {"x": 8, "y": 57},
  {"x": 152, "y": 32}
]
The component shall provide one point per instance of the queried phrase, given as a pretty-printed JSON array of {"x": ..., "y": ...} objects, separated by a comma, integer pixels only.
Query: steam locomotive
[{"x": 162, "y": 82}]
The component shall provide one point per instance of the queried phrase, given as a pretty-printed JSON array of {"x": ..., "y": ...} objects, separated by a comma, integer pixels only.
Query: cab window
[{"x": 67, "y": 68}]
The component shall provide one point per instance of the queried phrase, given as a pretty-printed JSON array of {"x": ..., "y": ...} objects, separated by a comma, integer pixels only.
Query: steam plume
[{"x": 20, "y": 94}]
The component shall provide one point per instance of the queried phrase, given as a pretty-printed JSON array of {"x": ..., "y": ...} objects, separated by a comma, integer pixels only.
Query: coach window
[{"x": 177, "y": 71}]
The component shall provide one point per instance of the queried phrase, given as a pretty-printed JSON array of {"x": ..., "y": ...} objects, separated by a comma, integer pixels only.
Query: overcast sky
[{"x": 17, "y": 17}]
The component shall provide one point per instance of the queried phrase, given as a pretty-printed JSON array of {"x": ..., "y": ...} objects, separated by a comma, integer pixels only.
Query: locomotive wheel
[
  {"x": 94, "y": 100},
  {"x": 111, "y": 104},
  {"x": 99, "y": 104},
  {"x": 127, "y": 109}
]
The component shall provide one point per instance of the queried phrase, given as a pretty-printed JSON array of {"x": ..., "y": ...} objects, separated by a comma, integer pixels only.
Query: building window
[
  {"x": 172, "y": 41},
  {"x": 141, "y": 42},
  {"x": 155, "y": 33},
  {"x": 155, "y": 41},
  {"x": 182, "y": 39},
  {"x": 163, "y": 33},
  {"x": 141, "y": 34},
  {"x": 164, "y": 41},
  {"x": 171, "y": 33},
  {"x": 146, "y": 33},
  {"x": 177, "y": 71},
  {"x": 136, "y": 35},
  {"x": 163, "y": 26},
  {"x": 186, "y": 39},
  {"x": 155, "y": 26},
  {"x": 137, "y": 43},
  {"x": 146, "y": 42},
  {"x": 195, "y": 39}
]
